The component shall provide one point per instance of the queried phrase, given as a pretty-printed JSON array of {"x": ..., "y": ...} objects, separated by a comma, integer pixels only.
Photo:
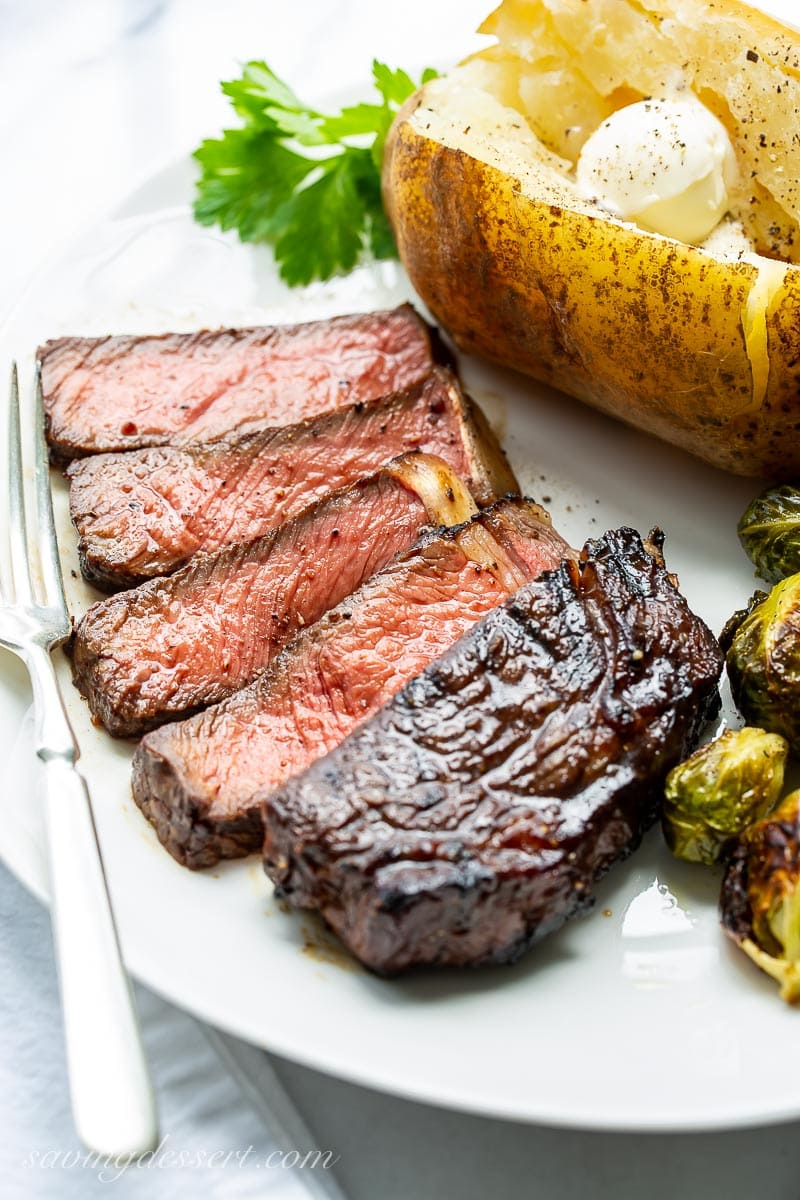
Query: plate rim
[{"x": 746, "y": 1116}]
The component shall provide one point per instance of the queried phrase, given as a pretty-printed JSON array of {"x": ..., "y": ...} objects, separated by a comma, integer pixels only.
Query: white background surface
[{"x": 87, "y": 109}]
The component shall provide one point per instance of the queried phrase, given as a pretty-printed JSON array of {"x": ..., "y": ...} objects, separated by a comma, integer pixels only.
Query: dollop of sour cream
[{"x": 667, "y": 165}]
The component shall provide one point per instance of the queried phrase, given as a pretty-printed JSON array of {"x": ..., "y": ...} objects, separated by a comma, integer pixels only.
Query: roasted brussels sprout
[
  {"x": 760, "y": 899},
  {"x": 763, "y": 662},
  {"x": 722, "y": 788},
  {"x": 732, "y": 624},
  {"x": 770, "y": 532}
]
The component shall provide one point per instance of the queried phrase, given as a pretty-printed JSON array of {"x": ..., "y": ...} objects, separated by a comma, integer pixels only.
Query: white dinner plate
[{"x": 640, "y": 1016}]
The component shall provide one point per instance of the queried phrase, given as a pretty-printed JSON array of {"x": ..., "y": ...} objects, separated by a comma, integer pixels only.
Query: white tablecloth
[{"x": 93, "y": 96}]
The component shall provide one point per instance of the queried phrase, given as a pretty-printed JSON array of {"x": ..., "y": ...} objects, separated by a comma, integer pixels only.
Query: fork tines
[{"x": 32, "y": 580}]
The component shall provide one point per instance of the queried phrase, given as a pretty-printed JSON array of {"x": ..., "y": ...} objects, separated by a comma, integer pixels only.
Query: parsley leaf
[{"x": 306, "y": 183}]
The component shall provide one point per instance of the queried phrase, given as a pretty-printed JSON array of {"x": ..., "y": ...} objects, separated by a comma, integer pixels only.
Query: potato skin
[{"x": 645, "y": 329}]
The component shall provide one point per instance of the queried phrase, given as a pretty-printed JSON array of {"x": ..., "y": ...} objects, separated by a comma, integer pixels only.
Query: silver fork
[{"x": 112, "y": 1099}]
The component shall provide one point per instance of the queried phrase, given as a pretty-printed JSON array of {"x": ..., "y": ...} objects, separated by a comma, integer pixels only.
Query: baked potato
[{"x": 697, "y": 342}]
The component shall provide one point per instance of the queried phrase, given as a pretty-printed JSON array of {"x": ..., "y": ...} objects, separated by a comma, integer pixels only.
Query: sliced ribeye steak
[
  {"x": 196, "y": 779},
  {"x": 117, "y": 393},
  {"x": 146, "y": 512},
  {"x": 175, "y": 645},
  {"x": 474, "y": 812}
]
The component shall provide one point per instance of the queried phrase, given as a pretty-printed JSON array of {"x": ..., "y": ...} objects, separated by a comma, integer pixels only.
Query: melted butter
[
  {"x": 768, "y": 283},
  {"x": 667, "y": 165}
]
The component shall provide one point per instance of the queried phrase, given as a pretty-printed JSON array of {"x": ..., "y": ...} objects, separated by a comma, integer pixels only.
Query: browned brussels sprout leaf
[
  {"x": 722, "y": 788},
  {"x": 732, "y": 624},
  {"x": 763, "y": 663},
  {"x": 760, "y": 899},
  {"x": 769, "y": 530}
]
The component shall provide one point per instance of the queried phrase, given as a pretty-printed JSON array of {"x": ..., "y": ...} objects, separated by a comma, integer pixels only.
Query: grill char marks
[
  {"x": 473, "y": 813},
  {"x": 196, "y": 780},
  {"x": 175, "y": 645},
  {"x": 118, "y": 393},
  {"x": 145, "y": 513}
]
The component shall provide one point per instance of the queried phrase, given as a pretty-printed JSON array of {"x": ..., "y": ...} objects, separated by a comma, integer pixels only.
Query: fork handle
[{"x": 112, "y": 1098}]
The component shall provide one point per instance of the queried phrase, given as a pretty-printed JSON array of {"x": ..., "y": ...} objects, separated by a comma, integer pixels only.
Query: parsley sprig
[{"x": 306, "y": 183}]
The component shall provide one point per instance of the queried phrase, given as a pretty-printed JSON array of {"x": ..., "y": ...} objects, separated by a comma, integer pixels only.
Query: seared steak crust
[
  {"x": 196, "y": 780},
  {"x": 473, "y": 813},
  {"x": 145, "y": 513},
  {"x": 118, "y": 393}
]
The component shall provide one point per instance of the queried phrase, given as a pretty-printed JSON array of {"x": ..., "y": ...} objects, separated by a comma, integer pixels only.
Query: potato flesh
[
  {"x": 567, "y": 108},
  {"x": 615, "y": 51}
]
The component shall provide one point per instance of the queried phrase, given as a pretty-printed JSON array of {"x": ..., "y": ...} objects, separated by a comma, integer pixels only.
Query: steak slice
[
  {"x": 146, "y": 512},
  {"x": 175, "y": 645},
  {"x": 472, "y": 815},
  {"x": 118, "y": 393},
  {"x": 196, "y": 780}
]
